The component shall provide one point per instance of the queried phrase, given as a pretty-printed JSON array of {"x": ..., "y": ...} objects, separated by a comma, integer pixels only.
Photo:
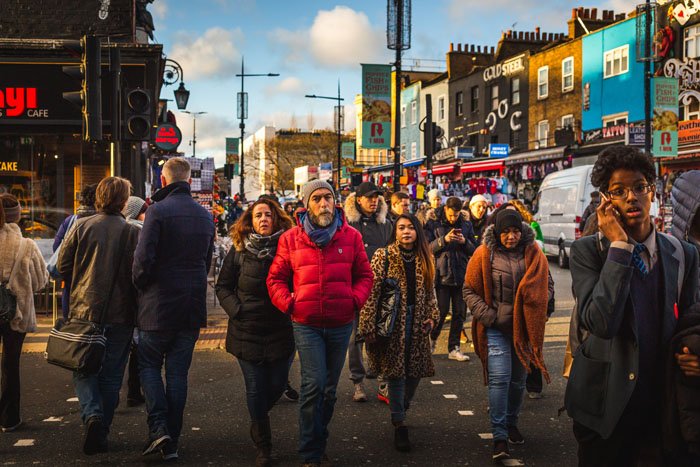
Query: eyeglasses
[{"x": 637, "y": 190}]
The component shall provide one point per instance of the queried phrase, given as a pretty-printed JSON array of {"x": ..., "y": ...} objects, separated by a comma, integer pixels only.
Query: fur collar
[
  {"x": 10, "y": 237},
  {"x": 353, "y": 214},
  {"x": 492, "y": 244}
]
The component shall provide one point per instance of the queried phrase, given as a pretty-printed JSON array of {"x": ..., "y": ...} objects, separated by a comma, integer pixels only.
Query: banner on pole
[
  {"x": 347, "y": 150},
  {"x": 665, "y": 117},
  {"x": 376, "y": 106}
]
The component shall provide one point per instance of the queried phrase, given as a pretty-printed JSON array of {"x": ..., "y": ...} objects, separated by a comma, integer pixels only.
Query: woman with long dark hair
[
  {"x": 404, "y": 357},
  {"x": 259, "y": 335}
]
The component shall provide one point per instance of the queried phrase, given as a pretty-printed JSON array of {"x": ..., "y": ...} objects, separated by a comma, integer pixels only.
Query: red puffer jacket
[{"x": 329, "y": 284}]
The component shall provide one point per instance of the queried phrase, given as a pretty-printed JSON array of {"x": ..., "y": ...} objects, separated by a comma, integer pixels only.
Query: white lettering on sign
[
  {"x": 507, "y": 68},
  {"x": 514, "y": 124}
]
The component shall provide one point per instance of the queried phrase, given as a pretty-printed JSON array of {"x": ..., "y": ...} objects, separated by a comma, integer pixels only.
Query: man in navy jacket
[{"x": 170, "y": 272}]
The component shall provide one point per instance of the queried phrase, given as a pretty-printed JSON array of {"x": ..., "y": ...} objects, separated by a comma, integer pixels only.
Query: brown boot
[{"x": 261, "y": 434}]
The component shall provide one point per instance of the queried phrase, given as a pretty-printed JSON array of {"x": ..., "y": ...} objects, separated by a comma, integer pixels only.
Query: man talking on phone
[
  {"x": 634, "y": 287},
  {"x": 451, "y": 239}
]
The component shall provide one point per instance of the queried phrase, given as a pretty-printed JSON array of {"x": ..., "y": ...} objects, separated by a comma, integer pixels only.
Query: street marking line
[
  {"x": 194, "y": 428},
  {"x": 53, "y": 419},
  {"x": 450, "y": 396},
  {"x": 73, "y": 399},
  {"x": 466, "y": 413},
  {"x": 436, "y": 382},
  {"x": 512, "y": 462},
  {"x": 486, "y": 435},
  {"x": 24, "y": 442}
]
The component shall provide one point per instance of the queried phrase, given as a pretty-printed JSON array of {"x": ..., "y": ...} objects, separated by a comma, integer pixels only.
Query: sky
[{"x": 314, "y": 45}]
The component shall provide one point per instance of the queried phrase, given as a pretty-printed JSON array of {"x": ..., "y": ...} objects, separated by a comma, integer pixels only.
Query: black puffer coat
[
  {"x": 450, "y": 258},
  {"x": 257, "y": 331}
]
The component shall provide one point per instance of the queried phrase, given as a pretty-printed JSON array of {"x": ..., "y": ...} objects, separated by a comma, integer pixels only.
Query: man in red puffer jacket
[{"x": 325, "y": 261}]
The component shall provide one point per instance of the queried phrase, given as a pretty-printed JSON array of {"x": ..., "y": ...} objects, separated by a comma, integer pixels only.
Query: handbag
[
  {"x": 388, "y": 304},
  {"x": 79, "y": 344},
  {"x": 51, "y": 265},
  {"x": 8, "y": 300}
]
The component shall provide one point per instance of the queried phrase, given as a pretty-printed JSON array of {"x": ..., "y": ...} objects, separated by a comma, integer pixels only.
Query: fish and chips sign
[
  {"x": 376, "y": 106},
  {"x": 665, "y": 119}
]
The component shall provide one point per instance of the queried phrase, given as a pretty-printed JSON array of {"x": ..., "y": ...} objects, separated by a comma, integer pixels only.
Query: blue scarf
[{"x": 321, "y": 236}]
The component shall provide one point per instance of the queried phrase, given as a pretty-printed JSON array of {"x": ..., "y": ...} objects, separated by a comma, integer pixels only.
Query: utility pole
[
  {"x": 647, "y": 79},
  {"x": 339, "y": 119},
  {"x": 115, "y": 68},
  {"x": 194, "y": 129}
]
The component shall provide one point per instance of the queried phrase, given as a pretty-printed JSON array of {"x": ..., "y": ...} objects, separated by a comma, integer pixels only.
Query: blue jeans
[
  {"x": 264, "y": 385},
  {"x": 322, "y": 356},
  {"x": 401, "y": 392},
  {"x": 166, "y": 403},
  {"x": 506, "y": 383},
  {"x": 99, "y": 393}
]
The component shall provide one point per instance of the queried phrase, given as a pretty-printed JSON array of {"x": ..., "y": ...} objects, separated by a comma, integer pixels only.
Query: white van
[{"x": 562, "y": 198}]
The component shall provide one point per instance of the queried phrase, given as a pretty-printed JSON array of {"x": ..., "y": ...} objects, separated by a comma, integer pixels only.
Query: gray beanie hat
[
  {"x": 310, "y": 187},
  {"x": 133, "y": 207}
]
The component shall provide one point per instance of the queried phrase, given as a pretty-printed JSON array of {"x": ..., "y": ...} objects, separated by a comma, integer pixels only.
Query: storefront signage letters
[
  {"x": 15, "y": 101},
  {"x": 8, "y": 166},
  {"x": 507, "y": 68},
  {"x": 501, "y": 113},
  {"x": 688, "y": 72},
  {"x": 689, "y": 132},
  {"x": 168, "y": 137}
]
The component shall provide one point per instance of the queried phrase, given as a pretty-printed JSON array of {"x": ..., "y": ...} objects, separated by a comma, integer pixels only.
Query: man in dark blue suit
[{"x": 170, "y": 272}]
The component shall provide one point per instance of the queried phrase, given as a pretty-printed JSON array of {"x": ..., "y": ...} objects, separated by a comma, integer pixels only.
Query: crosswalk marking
[
  {"x": 450, "y": 396},
  {"x": 24, "y": 442},
  {"x": 436, "y": 382},
  {"x": 486, "y": 435},
  {"x": 72, "y": 399},
  {"x": 466, "y": 413},
  {"x": 512, "y": 462},
  {"x": 53, "y": 419}
]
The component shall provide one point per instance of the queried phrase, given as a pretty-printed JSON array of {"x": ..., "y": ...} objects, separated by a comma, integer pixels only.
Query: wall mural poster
[
  {"x": 376, "y": 106},
  {"x": 665, "y": 117}
]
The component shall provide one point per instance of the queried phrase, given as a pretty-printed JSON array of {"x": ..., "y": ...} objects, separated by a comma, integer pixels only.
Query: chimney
[
  {"x": 594, "y": 14},
  {"x": 493, "y": 50},
  {"x": 527, "y": 36},
  {"x": 573, "y": 13},
  {"x": 459, "y": 47},
  {"x": 537, "y": 32},
  {"x": 478, "y": 49},
  {"x": 475, "y": 48},
  {"x": 586, "y": 13},
  {"x": 452, "y": 47},
  {"x": 580, "y": 12}
]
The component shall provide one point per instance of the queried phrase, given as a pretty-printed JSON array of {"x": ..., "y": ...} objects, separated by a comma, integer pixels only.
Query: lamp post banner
[
  {"x": 348, "y": 150},
  {"x": 232, "y": 150},
  {"x": 665, "y": 117},
  {"x": 376, "y": 106}
]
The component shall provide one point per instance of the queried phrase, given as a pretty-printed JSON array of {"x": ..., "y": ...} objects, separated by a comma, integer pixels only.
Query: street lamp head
[{"x": 182, "y": 95}]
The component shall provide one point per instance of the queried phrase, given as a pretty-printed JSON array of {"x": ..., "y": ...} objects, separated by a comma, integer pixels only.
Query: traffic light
[
  {"x": 437, "y": 134},
  {"x": 138, "y": 109},
  {"x": 89, "y": 98}
]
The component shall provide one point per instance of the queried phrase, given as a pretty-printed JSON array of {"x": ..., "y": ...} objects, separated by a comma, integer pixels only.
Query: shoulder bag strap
[
  {"x": 122, "y": 247},
  {"x": 386, "y": 261}
]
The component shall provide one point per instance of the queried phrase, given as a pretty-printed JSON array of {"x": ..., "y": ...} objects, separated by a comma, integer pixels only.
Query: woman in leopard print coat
[{"x": 403, "y": 358}]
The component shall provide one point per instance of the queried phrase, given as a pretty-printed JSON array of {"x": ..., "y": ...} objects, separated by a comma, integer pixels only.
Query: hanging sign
[
  {"x": 168, "y": 137},
  {"x": 376, "y": 106},
  {"x": 665, "y": 120}
]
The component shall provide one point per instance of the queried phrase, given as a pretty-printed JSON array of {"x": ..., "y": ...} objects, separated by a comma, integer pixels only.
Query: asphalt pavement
[{"x": 448, "y": 420}]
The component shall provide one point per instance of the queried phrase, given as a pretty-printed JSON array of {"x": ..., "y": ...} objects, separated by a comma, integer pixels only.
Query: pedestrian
[
  {"x": 367, "y": 212},
  {"x": 506, "y": 289},
  {"x": 170, "y": 272},
  {"x": 322, "y": 260},
  {"x": 400, "y": 204},
  {"x": 477, "y": 215},
  {"x": 258, "y": 335},
  {"x": 590, "y": 209},
  {"x": 452, "y": 242},
  {"x": 86, "y": 209},
  {"x": 135, "y": 213},
  {"x": 634, "y": 289},
  {"x": 435, "y": 201},
  {"x": 404, "y": 357},
  {"x": 289, "y": 208},
  {"x": 96, "y": 256},
  {"x": 685, "y": 196},
  {"x": 22, "y": 274}
]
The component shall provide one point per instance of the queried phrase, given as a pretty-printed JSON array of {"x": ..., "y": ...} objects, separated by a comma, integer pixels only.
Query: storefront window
[{"x": 691, "y": 111}]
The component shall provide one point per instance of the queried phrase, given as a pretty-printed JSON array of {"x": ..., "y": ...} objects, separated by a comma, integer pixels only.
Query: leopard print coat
[{"x": 388, "y": 359}]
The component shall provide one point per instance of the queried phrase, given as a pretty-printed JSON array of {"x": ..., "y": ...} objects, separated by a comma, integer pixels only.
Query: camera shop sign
[{"x": 507, "y": 68}]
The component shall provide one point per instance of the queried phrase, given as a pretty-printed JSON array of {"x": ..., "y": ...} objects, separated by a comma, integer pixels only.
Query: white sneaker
[
  {"x": 433, "y": 345},
  {"x": 359, "y": 395},
  {"x": 455, "y": 354}
]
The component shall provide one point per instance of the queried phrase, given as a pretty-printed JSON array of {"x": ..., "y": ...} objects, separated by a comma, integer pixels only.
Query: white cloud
[
  {"x": 159, "y": 9},
  {"x": 295, "y": 44},
  {"x": 215, "y": 54},
  {"x": 291, "y": 85},
  {"x": 212, "y": 131}
]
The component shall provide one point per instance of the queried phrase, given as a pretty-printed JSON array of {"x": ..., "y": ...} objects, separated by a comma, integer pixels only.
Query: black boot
[
  {"x": 134, "y": 397},
  {"x": 261, "y": 434},
  {"x": 401, "y": 441}
]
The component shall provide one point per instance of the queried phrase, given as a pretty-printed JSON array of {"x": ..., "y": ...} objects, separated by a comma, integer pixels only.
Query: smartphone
[{"x": 604, "y": 196}]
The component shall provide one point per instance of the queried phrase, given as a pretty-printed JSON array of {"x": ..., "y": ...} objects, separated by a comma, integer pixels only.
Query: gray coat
[
  {"x": 375, "y": 229},
  {"x": 685, "y": 197},
  {"x": 603, "y": 375}
]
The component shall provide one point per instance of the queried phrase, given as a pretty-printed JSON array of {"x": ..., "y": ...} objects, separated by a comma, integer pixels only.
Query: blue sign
[
  {"x": 465, "y": 152},
  {"x": 499, "y": 151}
]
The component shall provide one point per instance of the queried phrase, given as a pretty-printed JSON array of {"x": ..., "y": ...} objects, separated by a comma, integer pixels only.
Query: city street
[{"x": 448, "y": 420}]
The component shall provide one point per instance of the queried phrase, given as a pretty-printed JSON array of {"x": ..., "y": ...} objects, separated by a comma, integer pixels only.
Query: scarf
[
  {"x": 529, "y": 307},
  {"x": 321, "y": 236},
  {"x": 176, "y": 187},
  {"x": 262, "y": 247}
]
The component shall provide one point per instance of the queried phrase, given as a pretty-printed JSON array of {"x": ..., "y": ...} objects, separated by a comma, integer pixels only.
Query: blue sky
[{"x": 312, "y": 44}]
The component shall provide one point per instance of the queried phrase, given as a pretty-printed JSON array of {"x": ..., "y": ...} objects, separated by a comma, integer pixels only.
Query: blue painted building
[
  {"x": 613, "y": 80},
  {"x": 411, "y": 136}
]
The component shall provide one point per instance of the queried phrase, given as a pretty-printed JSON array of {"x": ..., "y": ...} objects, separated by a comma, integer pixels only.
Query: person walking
[
  {"x": 97, "y": 256},
  {"x": 404, "y": 357},
  {"x": 635, "y": 288},
  {"x": 171, "y": 261},
  {"x": 400, "y": 204},
  {"x": 323, "y": 261},
  {"x": 590, "y": 209},
  {"x": 367, "y": 212},
  {"x": 22, "y": 274},
  {"x": 477, "y": 215},
  {"x": 506, "y": 287},
  {"x": 258, "y": 335},
  {"x": 452, "y": 242}
]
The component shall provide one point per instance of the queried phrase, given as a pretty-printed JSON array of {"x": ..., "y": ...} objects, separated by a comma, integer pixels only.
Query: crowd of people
[{"x": 370, "y": 278}]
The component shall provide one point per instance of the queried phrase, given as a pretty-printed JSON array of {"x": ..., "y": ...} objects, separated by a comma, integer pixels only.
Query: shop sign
[
  {"x": 665, "y": 120},
  {"x": 499, "y": 151},
  {"x": 168, "y": 137},
  {"x": 376, "y": 106},
  {"x": 633, "y": 133},
  {"x": 8, "y": 166},
  {"x": 636, "y": 134},
  {"x": 464, "y": 152},
  {"x": 689, "y": 132},
  {"x": 587, "y": 96},
  {"x": 347, "y": 150},
  {"x": 325, "y": 171},
  {"x": 20, "y": 102},
  {"x": 507, "y": 68}
]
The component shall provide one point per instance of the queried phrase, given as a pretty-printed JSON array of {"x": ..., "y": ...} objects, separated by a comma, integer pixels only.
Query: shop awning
[
  {"x": 440, "y": 170},
  {"x": 379, "y": 168},
  {"x": 538, "y": 155},
  {"x": 414, "y": 163},
  {"x": 482, "y": 166}
]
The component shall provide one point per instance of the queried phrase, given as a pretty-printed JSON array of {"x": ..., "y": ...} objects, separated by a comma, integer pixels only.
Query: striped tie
[{"x": 637, "y": 258}]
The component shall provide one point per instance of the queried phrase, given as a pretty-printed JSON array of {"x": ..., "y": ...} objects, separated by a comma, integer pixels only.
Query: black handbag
[
  {"x": 389, "y": 302},
  {"x": 79, "y": 344},
  {"x": 8, "y": 300}
]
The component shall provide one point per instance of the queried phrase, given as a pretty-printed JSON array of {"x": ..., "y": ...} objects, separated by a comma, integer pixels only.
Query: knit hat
[
  {"x": 478, "y": 199},
  {"x": 133, "y": 207},
  {"x": 434, "y": 193},
  {"x": 508, "y": 218},
  {"x": 12, "y": 213},
  {"x": 308, "y": 189}
]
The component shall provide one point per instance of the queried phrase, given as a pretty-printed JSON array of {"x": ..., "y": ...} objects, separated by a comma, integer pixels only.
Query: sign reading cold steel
[
  {"x": 665, "y": 120},
  {"x": 168, "y": 137},
  {"x": 499, "y": 151},
  {"x": 376, "y": 106},
  {"x": 507, "y": 68}
]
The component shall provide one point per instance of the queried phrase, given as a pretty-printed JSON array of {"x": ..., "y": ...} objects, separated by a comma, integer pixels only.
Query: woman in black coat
[{"x": 259, "y": 335}]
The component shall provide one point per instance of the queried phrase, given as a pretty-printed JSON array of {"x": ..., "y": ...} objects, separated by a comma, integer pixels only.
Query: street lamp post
[
  {"x": 339, "y": 115},
  {"x": 173, "y": 73},
  {"x": 194, "y": 130},
  {"x": 242, "y": 115}
]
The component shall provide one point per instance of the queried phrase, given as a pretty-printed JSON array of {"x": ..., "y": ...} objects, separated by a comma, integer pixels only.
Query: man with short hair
[
  {"x": 452, "y": 241},
  {"x": 400, "y": 204},
  {"x": 366, "y": 211},
  {"x": 170, "y": 272},
  {"x": 331, "y": 279},
  {"x": 590, "y": 209}
]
